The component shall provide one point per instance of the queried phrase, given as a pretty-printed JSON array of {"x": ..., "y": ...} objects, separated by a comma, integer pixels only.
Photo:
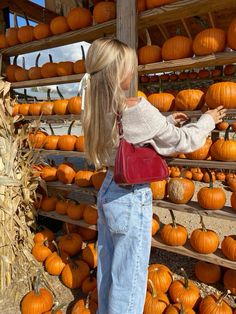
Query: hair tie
[{"x": 83, "y": 86}]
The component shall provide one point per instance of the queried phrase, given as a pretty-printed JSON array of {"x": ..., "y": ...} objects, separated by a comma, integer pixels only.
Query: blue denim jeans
[{"x": 124, "y": 242}]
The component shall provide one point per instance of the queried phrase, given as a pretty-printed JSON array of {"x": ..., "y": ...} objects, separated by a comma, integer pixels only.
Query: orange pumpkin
[
  {"x": 158, "y": 189},
  {"x": 66, "y": 173},
  {"x": 62, "y": 206},
  {"x": 41, "y": 251},
  {"x": 149, "y": 53},
  {"x": 3, "y": 41},
  {"x": 180, "y": 190},
  {"x": 54, "y": 264},
  {"x": 37, "y": 139},
  {"x": 75, "y": 211},
  {"x": 21, "y": 74},
  {"x": 60, "y": 106},
  {"x": 231, "y": 33},
  {"x": 10, "y": 70},
  {"x": 90, "y": 215},
  {"x": 178, "y": 308},
  {"x": 41, "y": 30},
  {"x": 51, "y": 141},
  {"x": 34, "y": 73},
  {"x": 177, "y": 47},
  {"x": 214, "y": 304},
  {"x": 49, "y": 173},
  {"x": 58, "y": 25},
  {"x": 161, "y": 277},
  {"x": 89, "y": 255},
  {"x": 104, "y": 11},
  {"x": 209, "y": 41},
  {"x": 222, "y": 126},
  {"x": 74, "y": 105},
  {"x": 74, "y": 273},
  {"x": 156, "y": 224},
  {"x": 228, "y": 247},
  {"x": 230, "y": 280},
  {"x": 221, "y": 94},
  {"x": 65, "y": 68},
  {"x": 189, "y": 99},
  {"x": 83, "y": 178},
  {"x": 79, "y": 18},
  {"x": 67, "y": 142},
  {"x": 70, "y": 243},
  {"x": 44, "y": 235},
  {"x": 229, "y": 69},
  {"x": 162, "y": 101},
  {"x": 49, "y": 69},
  {"x": 207, "y": 272},
  {"x": 87, "y": 234},
  {"x": 211, "y": 198},
  {"x": 89, "y": 284},
  {"x": 98, "y": 178},
  {"x": 48, "y": 203},
  {"x": 25, "y": 33},
  {"x": 233, "y": 200},
  {"x": 84, "y": 307},
  {"x": 79, "y": 65}
]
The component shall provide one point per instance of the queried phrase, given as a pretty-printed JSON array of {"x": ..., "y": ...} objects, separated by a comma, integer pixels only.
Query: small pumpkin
[
  {"x": 70, "y": 243},
  {"x": 3, "y": 41},
  {"x": 97, "y": 179},
  {"x": 90, "y": 255},
  {"x": 156, "y": 301},
  {"x": 75, "y": 211},
  {"x": 62, "y": 206},
  {"x": 49, "y": 173},
  {"x": 228, "y": 247},
  {"x": 184, "y": 291},
  {"x": 84, "y": 307},
  {"x": 59, "y": 25},
  {"x": 47, "y": 106},
  {"x": 149, "y": 53},
  {"x": 60, "y": 106},
  {"x": 34, "y": 73},
  {"x": 79, "y": 18},
  {"x": 156, "y": 224},
  {"x": 224, "y": 148},
  {"x": 35, "y": 109},
  {"x": 87, "y": 234},
  {"x": 79, "y": 65},
  {"x": 161, "y": 277},
  {"x": 65, "y": 68},
  {"x": 104, "y": 11},
  {"x": 51, "y": 141},
  {"x": 37, "y": 139},
  {"x": 89, "y": 284},
  {"x": 48, "y": 203},
  {"x": 90, "y": 214},
  {"x": 158, "y": 189},
  {"x": 39, "y": 300},
  {"x": 25, "y": 33},
  {"x": 74, "y": 105},
  {"x": 207, "y": 272},
  {"x": 222, "y": 126},
  {"x": 83, "y": 178},
  {"x": 203, "y": 74},
  {"x": 66, "y": 173},
  {"x": 21, "y": 74},
  {"x": 67, "y": 142},
  {"x": 174, "y": 234},
  {"x": 215, "y": 305},
  {"x": 54, "y": 264},
  {"x": 178, "y": 308},
  {"x": 44, "y": 235},
  {"x": 204, "y": 241},
  {"x": 49, "y": 69},
  {"x": 10, "y": 70},
  {"x": 230, "y": 280},
  {"x": 229, "y": 69},
  {"x": 41, "y": 31},
  {"x": 180, "y": 190},
  {"x": 74, "y": 273},
  {"x": 41, "y": 251},
  {"x": 11, "y": 33}
]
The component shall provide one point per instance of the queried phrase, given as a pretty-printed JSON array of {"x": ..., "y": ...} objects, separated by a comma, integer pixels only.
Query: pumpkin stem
[
  {"x": 160, "y": 85},
  {"x": 51, "y": 129},
  {"x": 70, "y": 127},
  {"x": 154, "y": 292},
  {"x": 48, "y": 94},
  {"x": 36, "y": 283},
  {"x": 57, "y": 248},
  {"x": 186, "y": 281},
  {"x": 59, "y": 93},
  {"x": 15, "y": 60},
  {"x": 178, "y": 31},
  {"x": 23, "y": 62},
  {"x": 67, "y": 228},
  {"x": 83, "y": 53},
  {"x": 85, "y": 4},
  {"x": 148, "y": 38},
  {"x": 227, "y": 133},
  {"x": 224, "y": 295},
  {"x": 26, "y": 19},
  {"x": 201, "y": 22},
  {"x": 202, "y": 224},
  {"x": 37, "y": 60},
  {"x": 15, "y": 21},
  {"x": 58, "y": 308},
  {"x": 78, "y": 3},
  {"x": 211, "y": 179},
  {"x": 173, "y": 218},
  {"x": 50, "y": 58},
  {"x": 25, "y": 95}
]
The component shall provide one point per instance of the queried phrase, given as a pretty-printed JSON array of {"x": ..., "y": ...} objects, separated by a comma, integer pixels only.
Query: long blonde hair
[{"x": 109, "y": 62}]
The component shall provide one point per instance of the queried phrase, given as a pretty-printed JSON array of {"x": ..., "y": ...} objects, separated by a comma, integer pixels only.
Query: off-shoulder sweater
[{"x": 143, "y": 123}]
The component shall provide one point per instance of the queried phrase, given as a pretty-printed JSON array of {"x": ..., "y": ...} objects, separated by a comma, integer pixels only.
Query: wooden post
[{"x": 127, "y": 32}]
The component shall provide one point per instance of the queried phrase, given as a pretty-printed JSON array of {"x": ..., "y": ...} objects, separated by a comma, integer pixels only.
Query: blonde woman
[{"x": 125, "y": 212}]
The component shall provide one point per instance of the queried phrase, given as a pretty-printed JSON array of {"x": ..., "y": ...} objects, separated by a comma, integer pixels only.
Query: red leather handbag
[{"x": 137, "y": 164}]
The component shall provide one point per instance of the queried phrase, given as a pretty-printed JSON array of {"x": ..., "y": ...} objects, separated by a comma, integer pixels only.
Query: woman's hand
[
  {"x": 217, "y": 114},
  {"x": 179, "y": 117}
]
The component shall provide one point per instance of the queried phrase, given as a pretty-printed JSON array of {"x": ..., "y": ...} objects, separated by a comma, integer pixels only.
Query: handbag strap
[{"x": 119, "y": 124}]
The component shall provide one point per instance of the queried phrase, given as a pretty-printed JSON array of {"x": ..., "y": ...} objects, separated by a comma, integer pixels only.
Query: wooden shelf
[
  {"x": 72, "y": 188},
  {"x": 53, "y": 118},
  {"x": 181, "y": 10},
  {"x": 217, "y": 258},
  {"x": 212, "y": 164},
  {"x": 44, "y": 152},
  {"x": 86, "y": 34},
  {"x": 56, "y": 216},
  {"x": 227, "y": 213},
  {"x": 75, "y": 78},
  {"x": 189, "y": 63}
]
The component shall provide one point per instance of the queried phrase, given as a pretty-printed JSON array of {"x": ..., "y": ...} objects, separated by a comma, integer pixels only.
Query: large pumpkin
[
  {"x": 161, "y": 277},
  {"x": 149, "y": 53},
  {"x": 207, "y": 272},
  {"x": 174, "y": 234},
  {"x": 224, "y": 148},
  {"x": 180, "y": 190},
  {"x": 221, "y": 94},
  {"x": 189, "y": 99},
  {"x": 104, "y": 11},
  {"x": 212, "y": 198},
  {"x": 184, "y": 291},
  {"x": 230, "y": 280},
  {"x": 39, "y": 300},
  {"x": 162, "y": 101},
  {"x": 213, "y": 304},
  {"x": 204, "y": 241},
  {"x": 177, "y": 47},
  {"x": 79, "y": 18},
  {"x": 228, "y": 247},
  {"x": 202, "y": 152},
  {"x": 231, "y": 35},
  {"x": 210, "y": 40},
  {"x": 156, "y": 301}
]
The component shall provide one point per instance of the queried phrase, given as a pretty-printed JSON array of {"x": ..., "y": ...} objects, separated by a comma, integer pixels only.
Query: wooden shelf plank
[
  {"x": 56, "y": 216},
  {"x": 53, "y": 118},
  {"x": 86, "y": 34},
  {"x": 212, "y": 164},
  {"x": 189, "y": 63},
  {"x": 216, "y": 258},
  {"x": 181, "y": 10},
  {"x": 227, "y": 213},
  {"x": 44, "y": 152},
  {"x": 72, "y": 187},
  {"x": 75, "y": 78}
]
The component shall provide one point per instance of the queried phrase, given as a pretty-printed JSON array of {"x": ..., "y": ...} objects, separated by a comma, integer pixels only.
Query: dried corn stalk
[{"x": 17, "y": 213}]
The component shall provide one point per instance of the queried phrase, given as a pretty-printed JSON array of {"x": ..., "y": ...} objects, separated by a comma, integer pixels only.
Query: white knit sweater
[{"x": 143, "y": 123}]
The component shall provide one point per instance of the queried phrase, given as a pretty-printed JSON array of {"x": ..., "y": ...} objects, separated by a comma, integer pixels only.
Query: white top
[{"x": 143, "y": 123}]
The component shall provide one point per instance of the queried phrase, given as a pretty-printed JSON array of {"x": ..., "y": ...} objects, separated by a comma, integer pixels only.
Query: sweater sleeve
[{"x": 145, "y": 124}]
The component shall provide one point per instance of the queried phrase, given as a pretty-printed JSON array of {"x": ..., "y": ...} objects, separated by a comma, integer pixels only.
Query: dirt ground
[{"x": 173, "y": 261}]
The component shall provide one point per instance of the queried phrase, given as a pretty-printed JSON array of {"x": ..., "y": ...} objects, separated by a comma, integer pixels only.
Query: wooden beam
[
  {"x": 127, "y": 31},
  {"x": 32, "y": 10},
  {"x": 181, "y": 10}
]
